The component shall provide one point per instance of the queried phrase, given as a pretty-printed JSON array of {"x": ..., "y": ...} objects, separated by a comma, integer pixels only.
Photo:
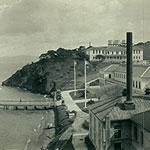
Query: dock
[{"x": 26, "y": 105}]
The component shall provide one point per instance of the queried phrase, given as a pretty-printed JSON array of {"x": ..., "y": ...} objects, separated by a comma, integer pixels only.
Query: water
[{"x": 20, "y": 130}]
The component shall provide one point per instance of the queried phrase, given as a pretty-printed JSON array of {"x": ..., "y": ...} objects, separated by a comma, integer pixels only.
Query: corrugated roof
[
  {"x": 143, "y": 119},
  {"x": 138, "y": 70},
  {"x": 103, "y": 107},
  {"x": 140, "y": 106},
  {"x": 111, "y": 68},
  {"x": 110, "y": 107}
]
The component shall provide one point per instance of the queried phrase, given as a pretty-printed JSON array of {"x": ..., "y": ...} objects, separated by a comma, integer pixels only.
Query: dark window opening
[
  {"x": 139, "y": 85},
  {"x": 109, "y": 76},
  {"x": 117, "y": 131},
  {"x": 117, "y": 146},
  {"x": 135, "y": 133},
  {"x": 136, "y": 84},
  {"x": 142, "y": 141}
]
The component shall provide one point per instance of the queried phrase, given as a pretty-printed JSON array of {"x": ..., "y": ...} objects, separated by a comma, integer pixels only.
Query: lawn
[{"x": 81, "y": 94}]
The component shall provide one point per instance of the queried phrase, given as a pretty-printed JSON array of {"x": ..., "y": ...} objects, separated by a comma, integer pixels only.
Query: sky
[{"x": 32, "y": 27}]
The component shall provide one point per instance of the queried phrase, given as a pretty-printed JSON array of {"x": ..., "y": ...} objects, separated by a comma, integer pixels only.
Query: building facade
[
  {"x": 141, "y": 75},
  {"x": 113, "y": 53},
  {"x": 111, "y": 128}
]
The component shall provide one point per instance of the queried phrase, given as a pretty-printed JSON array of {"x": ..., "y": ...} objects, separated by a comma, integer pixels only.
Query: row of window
[
  {"x": 120, "y": 75},
  {"x": 109, "y": 57},
  {"x": 136, "y": 57},
  {"x": 98, "y": 51},
  {"x": 109, "y": 52},
  {"x": 136, "y": 52},
  {"x": 136, "y": 84},
  {"x": 117, "y": 57},
  {"x": 114, "y": 52}
]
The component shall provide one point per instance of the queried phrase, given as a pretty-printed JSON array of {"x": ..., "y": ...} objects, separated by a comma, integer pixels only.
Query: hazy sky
[{"x": 35, "y": 26}]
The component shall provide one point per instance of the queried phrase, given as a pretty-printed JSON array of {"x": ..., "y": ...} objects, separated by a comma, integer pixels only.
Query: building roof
[
  {"x": 96, "y": 48},
  {"x": 141, "y": 105},
  {"x": 138, "y": 70},
  {"x": 111, "y": 107},
  {"x": 143, "y": 119},
  {"x": 109, "y": 68},
  {"x": 103, "y": 107},
  {"x": 115, "y": 48}
]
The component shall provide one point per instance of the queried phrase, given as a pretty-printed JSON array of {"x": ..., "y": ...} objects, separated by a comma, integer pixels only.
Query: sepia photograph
[{"x": 74, "y": 74}]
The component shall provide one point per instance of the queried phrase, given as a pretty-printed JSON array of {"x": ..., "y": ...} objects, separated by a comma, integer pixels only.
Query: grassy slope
[{"x": 38, "y": 77}]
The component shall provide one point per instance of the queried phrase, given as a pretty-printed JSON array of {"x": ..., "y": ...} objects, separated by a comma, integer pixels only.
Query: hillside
[
  {"x": 146, "y": 49},
  {"x": 57, "y": 66}
]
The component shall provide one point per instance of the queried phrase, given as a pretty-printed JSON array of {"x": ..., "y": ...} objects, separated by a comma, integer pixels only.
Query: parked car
[{"x": 147, "y": 91}]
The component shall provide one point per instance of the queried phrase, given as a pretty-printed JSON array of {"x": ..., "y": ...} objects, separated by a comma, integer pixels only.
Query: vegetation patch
[{"x": 80, "y": 94}]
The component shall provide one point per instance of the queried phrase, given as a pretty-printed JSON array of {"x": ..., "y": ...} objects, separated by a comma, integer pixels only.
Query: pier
[{"x": 26, "y": 105}]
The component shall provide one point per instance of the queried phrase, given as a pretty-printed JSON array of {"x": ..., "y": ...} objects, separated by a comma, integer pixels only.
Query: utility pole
[
  {"x": 75, "y": 63},
  {"x": 85, "y": 63}
]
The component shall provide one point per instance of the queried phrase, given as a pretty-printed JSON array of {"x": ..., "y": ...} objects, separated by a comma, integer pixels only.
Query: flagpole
[
  {"x": 75, "y": 93},
  {"x": 85, "y": 80}
]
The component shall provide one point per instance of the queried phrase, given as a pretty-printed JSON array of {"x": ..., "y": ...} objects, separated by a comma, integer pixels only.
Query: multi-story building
[
  {"x": 113, "y": 128},
  {"x": 113, "y": 52},
  {"x": 141, "y": 75}
]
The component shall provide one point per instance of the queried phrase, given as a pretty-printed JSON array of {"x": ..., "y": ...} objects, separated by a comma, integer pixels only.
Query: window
[
  {"x": 142, "y": 141},
  {"x": 139, "y": 51},
  {"x": 112, "y": 53},
  {"x": 139, "y": 85},
  {"x": 133, "y": 84},
  {"x": 117, "y": 146},
  {"x": 117, "y": 131},
  {"x": 139, "y": 57},
  {"x": 136, "y": 84},
  {"x": 93, "y": 51},
  {"x": 135, "y": 133}
]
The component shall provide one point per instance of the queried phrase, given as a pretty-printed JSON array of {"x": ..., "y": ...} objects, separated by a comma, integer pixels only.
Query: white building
[
  {"x": 113, "y": 53},
  {"x": 141, "y": 75}
]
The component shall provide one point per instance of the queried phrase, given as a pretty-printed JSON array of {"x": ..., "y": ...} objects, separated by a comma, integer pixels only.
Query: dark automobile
[{"x": 147, "y": 91}]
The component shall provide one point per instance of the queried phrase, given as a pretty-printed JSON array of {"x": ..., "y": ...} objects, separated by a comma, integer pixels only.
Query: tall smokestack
[
  {"x": 129, "y": 105},
  {"x": 129, "y": 66}
]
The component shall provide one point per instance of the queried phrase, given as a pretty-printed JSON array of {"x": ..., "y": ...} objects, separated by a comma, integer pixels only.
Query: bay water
[{"x": 21, "y": 129}]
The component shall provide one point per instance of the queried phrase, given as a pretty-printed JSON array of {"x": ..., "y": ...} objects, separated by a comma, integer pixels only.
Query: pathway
[{"x": 79, "y": 132}]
